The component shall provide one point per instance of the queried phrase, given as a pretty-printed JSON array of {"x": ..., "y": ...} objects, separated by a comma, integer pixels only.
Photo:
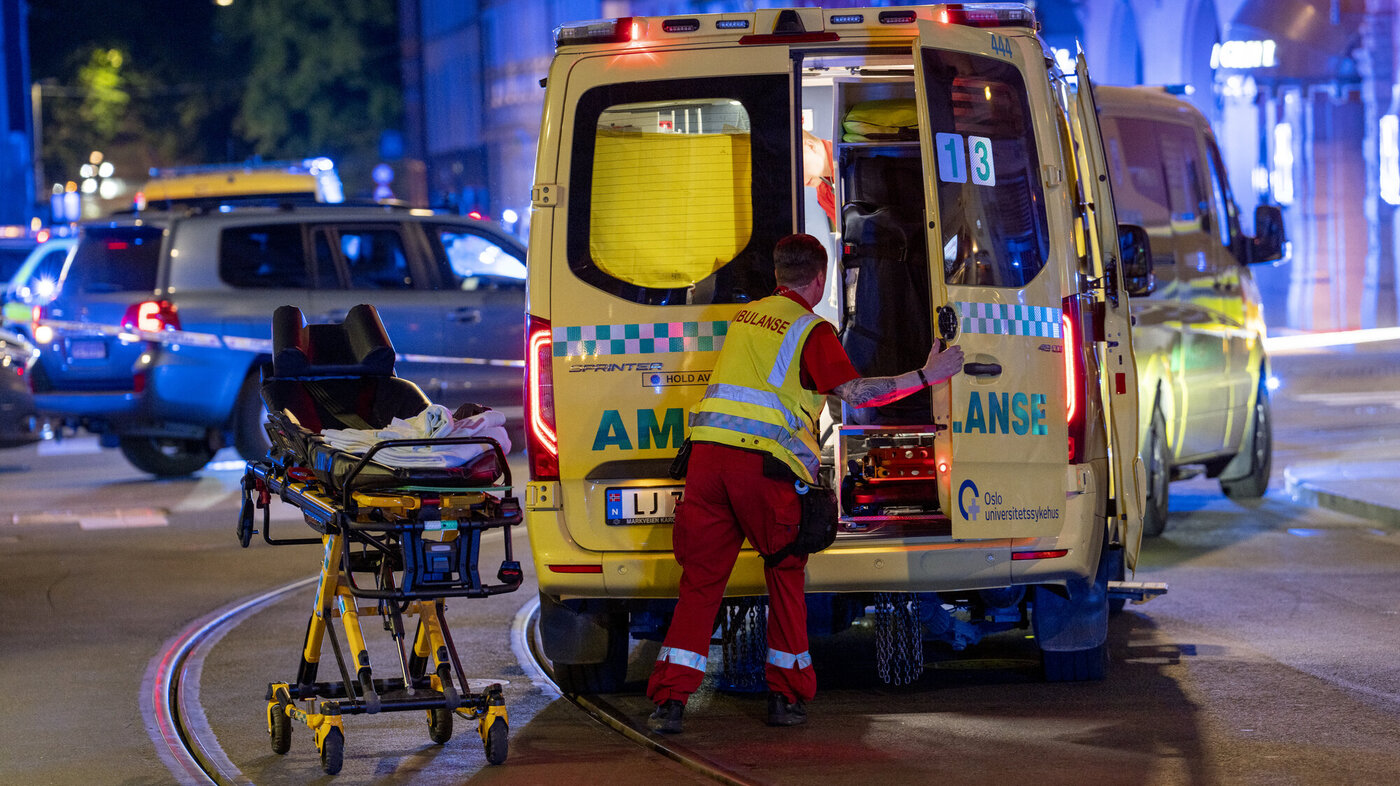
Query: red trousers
[{"x": 727, "y": 499}]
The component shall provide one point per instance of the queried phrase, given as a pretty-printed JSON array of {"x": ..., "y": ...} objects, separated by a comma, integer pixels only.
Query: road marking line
[{"x": 122, "y": 518}]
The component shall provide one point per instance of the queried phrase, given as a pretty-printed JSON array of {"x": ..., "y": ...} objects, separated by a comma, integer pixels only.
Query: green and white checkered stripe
[
  {"x": 1002, "y": 319},
  {"x": 640, "y": 339}
]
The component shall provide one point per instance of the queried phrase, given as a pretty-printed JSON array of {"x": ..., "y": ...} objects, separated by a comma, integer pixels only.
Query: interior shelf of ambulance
[{"x": 885, "y": 460}]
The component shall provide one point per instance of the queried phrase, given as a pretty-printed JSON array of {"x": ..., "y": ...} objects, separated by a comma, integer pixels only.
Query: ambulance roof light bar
[
  {"x": 599, "y": 31},
  {"x": 988, "y": 15}
]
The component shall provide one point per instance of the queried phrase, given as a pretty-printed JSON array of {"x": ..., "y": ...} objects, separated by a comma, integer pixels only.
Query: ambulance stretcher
[{"x": 395, "y": 541}]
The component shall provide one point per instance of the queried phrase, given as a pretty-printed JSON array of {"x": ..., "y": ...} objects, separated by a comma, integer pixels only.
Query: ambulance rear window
[
  {"x": 989, "y": 195},
  {"x": 665, "y": 183}
]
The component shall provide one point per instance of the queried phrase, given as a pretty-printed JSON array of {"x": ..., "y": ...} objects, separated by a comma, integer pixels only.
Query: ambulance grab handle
[{"x": 982, "y": 369}]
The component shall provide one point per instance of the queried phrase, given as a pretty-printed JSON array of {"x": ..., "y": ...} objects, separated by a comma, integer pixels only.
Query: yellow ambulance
[
  {"x": 957, "y": 178},
  {"x": 1199, "y": 339}
]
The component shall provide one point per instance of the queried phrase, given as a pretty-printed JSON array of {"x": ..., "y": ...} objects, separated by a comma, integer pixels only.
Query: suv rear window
[{"x": 115, "y": 259}]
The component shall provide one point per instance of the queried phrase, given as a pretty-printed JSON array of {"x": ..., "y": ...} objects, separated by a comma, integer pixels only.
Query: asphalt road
[{"x": 1270, "y": 661}]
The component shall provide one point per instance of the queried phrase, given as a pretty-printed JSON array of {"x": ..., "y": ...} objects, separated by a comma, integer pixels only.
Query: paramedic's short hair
[{"x": 798, "y": 260}]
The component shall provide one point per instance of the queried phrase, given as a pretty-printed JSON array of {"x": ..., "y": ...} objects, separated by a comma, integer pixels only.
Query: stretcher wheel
[
  {"x": 245, "y": 522},
  {"x": 497, "y": 745},
  {"x": 279, "y": 728},
  {"x": 440, "y": 725},
  {"x": 333, "y": 752}
]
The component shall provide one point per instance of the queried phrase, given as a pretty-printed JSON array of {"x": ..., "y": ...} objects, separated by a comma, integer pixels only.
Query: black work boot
[
  {"x": 781, "y": 713},
  {"x": 667, "y": 717}
]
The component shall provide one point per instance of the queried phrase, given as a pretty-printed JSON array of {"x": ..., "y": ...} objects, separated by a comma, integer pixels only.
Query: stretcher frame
[
  {"x": 421, "y": 545},
  {"x": 395, "y": 541}
]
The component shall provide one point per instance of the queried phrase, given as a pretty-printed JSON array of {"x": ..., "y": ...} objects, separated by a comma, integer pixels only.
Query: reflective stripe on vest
[
  {"x": 762, "y": 398},
  {"x": 758, "y": 428},
  {"x": 792, "y": 345},
  {"x": 787, "y": 660},
  {"x": 756, "y": 399},
  {"x": 686, "y": 658}
]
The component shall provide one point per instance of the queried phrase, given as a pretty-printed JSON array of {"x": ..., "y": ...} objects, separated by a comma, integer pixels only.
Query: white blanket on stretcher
[{"x": 433, "y": 422}]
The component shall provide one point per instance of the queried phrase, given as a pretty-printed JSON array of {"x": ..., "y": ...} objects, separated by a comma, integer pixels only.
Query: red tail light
[
  {"x": 1073, "y": 342},
  {"x": 1053, "y": 554},
  {"x": 151, "y": 316},
  {"x": 542, "y": 441}
]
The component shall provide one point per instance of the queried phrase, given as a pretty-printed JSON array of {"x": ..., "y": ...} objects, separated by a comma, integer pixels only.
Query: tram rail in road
[
  {"x": 531, "y": 656},
  {"x": 175, "y": 718},
  {"x": 170, "y": 694}
]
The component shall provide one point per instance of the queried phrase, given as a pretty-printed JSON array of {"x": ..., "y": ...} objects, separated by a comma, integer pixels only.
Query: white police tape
[{"x": 234, "y": 343}]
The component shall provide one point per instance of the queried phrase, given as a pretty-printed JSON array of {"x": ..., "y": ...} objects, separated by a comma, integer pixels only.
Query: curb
[{"x": 1306, "y": 492}]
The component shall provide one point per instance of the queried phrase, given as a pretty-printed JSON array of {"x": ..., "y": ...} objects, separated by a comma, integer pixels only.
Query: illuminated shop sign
[
  {"x": 1244, "y": 55},
  {"x": 1390, "y": 159}
]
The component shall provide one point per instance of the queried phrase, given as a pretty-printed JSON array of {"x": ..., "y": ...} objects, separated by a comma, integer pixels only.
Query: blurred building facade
[
  {"x": 16, "y": 118},
  {"x": 1303, "y": 95}
]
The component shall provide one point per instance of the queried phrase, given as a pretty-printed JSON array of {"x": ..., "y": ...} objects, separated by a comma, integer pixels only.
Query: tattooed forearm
[{"x": 870, "y": 391}]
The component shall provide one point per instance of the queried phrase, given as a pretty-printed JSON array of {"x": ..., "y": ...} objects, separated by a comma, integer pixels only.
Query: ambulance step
[{"x": 1136, "y": 591}]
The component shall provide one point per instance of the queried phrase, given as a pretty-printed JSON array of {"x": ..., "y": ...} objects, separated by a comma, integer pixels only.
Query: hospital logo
[{"x": 968, "y": 510}]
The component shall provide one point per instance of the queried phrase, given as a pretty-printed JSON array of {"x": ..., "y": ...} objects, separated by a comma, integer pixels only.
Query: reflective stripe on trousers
[
  {"x": 787, "y": 660},
  {"x": 688, "y": 659}
]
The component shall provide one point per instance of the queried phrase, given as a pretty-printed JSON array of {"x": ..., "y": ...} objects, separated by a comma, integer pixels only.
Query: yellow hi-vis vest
[{"x": 755, "y": 399}]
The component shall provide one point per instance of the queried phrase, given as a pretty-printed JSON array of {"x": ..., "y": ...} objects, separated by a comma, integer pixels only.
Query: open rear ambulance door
[
  {"x": 995, "y": 293},
  {"x": 1118, "y": 378}
]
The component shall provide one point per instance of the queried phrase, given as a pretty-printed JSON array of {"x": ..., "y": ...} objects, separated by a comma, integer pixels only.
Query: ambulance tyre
[
  {"x": 1157, "y": 462},
  {"x": 1060, "y": 621},
  {"x": 606, "y": 676},
  {"x": 166, "y": 457},
  {"x": 1261, "y": 450},
  {"x": 588, "y": 648},
  {"x": 1076, "y": 665}
]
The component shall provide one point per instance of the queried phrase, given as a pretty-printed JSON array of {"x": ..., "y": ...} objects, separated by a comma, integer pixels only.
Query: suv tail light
[
  {"x": 541, "y": 439},
  {"x": 41, "y": 333},
  {"x": 151, "y": 316},
  {"x": 1075, "y": 377}
]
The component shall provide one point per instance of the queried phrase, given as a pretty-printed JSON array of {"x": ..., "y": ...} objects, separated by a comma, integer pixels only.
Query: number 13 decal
[{"x": 976, "y": 165}]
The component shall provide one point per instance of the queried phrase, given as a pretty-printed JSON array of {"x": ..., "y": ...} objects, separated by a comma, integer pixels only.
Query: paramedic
[{"x": 753, "y": 434}]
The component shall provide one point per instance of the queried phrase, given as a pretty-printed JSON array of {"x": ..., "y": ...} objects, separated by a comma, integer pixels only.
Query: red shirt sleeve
[{"x": 825, "y": 365}]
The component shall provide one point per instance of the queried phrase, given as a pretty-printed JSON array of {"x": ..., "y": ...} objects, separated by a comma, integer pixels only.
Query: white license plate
[
  {"x": 648, "y": 505},
  {"x": 88, "y": 349}
]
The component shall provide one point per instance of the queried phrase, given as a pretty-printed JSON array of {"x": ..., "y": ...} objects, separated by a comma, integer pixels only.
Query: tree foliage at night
[
  {"x": 170, "y": 82},
  {"x": 324, "y": 76},
  {"x": 150, "y": 84}
]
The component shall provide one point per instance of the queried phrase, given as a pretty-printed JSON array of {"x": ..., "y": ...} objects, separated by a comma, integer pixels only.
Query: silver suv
[{"x": 162, "y": 320}]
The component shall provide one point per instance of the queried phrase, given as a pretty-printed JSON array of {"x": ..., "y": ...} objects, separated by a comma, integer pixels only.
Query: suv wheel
[
  {"x": 166, "y": 457},
  {"x": 249, "y": 418}
]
